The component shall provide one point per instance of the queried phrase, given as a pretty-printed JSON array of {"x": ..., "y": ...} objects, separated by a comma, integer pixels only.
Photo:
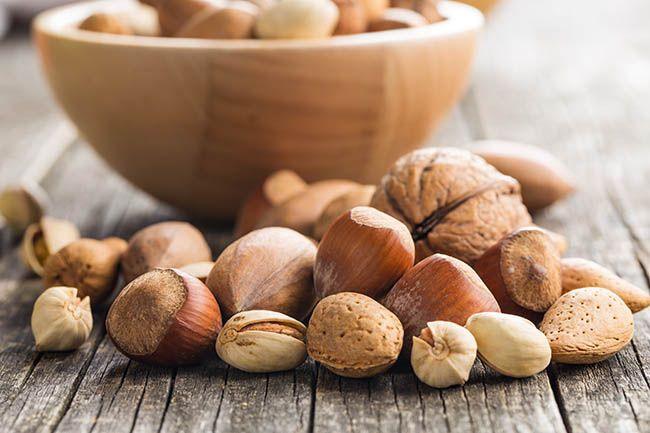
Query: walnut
[{"x": 452, "y": 201}]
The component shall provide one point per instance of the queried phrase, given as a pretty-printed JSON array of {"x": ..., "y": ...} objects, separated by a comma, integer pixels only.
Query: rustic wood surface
[{"x": 573, "y": 77}]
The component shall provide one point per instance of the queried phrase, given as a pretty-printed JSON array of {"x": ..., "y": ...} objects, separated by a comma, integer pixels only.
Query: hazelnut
[
  {"x": 233, "y": 21},
  {"x": 301, "y": 211},
  {"x": 87, "y": 264},
  {"x": 522, "y": 271},
  {"x": 61, "y": 320},
  {"x": 164, "y": 317},
  {"x": 298, "y": 19},
  {"x": 261, "y": 341},
  {"x": 276, "y": 188},
  {"x": 353, "y": 335},
  {"x": 164, "y": 245},
  {"x": 374, "y": 8},
  {"x": 174, "y": 14},
  {"x": 396, "y": 18},
  {"x": 443, "y": 354},
  {"x": 427, "y": 8},
  {"x": 578, "y": 273},
  {"x": 105, "y": 23},
  {"x": 453, "y": 202},
  {"x": 438, "y": 288},
  {"x": 364, "y": 251},
  {"x": 544, "y": 179},
  {"x": 357, "y": 196},
  {"x": 510, "y": 345},
  {"x": 268, "y": 269},
  {"x": 199, "y": 270},
  {"x": 587, "y": 325},
  {"x": 22, "y": 205},
  {"x": 352, "y": 18},
  {"x": 44, "y": 238}
]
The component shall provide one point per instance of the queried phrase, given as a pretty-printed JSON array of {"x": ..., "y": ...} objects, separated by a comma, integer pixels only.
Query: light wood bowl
[{"x": 198, "y": 123}]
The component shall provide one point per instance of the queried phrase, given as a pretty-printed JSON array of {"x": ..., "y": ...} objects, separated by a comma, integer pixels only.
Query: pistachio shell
[
  {"x": 510, "y": 344},
  {"x": 587, "y": 325},
  {"x": 45, "y": 238},
  {"x": 274, "y": 343},
  {"x": 353, "y": 335},
  {"x": 22, "y": 205},
  {"x": 443, "y": 354}
]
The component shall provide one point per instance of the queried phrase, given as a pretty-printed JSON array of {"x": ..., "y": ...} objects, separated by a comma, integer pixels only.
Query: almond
[
  {"x": 587, "y": 325},
  {"x": 544, "y": 179},
  {"x": 577, "y": 273}
]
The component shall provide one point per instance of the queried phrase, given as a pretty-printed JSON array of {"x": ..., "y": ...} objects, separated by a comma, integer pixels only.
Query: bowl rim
[{"x": 60, "y": 22}]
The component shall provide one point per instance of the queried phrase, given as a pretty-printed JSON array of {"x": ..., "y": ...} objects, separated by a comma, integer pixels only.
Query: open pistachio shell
[
  {"x": 22, "y": 205},
  {"x": 260, "y": 341},
  {"x": 44, "y": 238}
]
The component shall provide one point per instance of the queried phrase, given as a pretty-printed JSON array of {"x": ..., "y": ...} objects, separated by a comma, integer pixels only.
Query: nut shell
[
  {"x": 22, "y": 205},
  {"x": 298, "y": 19},
  {"x": 259, "y": 341},
  {"x": 170, "y": 244},
  {"x": 352, "y": 19},
  {"x": 443, "y": 354},
  {"x": 44, "y": 238},
  {"x": 268, "y": 269},
  {"x": 587, "y": 325},
  {"x": 427, "y": 8},
  {"x": 87, "y": 264},
  {"x": 510, "y": 344},
  {"x": 453, "y": 202},
  {"x": 438, "y": 288},
  {"x": 357, "y": 196},
  {"x": 578, "y": 273},
  {"x": 353, "y": 335},
  {"x": 396, "y": 18},
  {"x": 105, "y": 23},
  {"x": 364, "y": 251},
  {"x": 233, "y": 21}
]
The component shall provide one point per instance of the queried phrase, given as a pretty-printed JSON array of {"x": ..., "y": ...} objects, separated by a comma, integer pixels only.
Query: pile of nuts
[
  {"x": 436, "y": 265},
  {"x": 271, "y": 19}
]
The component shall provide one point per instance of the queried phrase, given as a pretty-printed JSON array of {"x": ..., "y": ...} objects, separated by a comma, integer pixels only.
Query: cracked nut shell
[
  {"x": 522, "y": 271},
  {"x": 170, "y": 244},
  {"x": 44, "y": 238},
  {"x": 364, "y": 251},
  {"x": 268, "y": 269},
  {"x": 438, "y": 288},
  {"x": 87, "y": 264},
  {"x": 587, "y": 325},
  {"x": 353, "y": 335},
  {"x": 260, "y": 341},
  {"x": 22, "y": 205},
  {"x": 164, "y": 317},
  {"x": 453, "y": 202},
  {"x": 443, "y": 354}
]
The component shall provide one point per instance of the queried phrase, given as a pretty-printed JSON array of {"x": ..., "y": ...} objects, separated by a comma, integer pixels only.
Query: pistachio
[
  {"x": 45, "y": 238},
  {"x": 260, "y": 341},
  {"x": 510, "y": 344},
  {"x": 443, "y": 354},
  {"x": 61, "y": 320},
  {"x": 22, "y": 205}
]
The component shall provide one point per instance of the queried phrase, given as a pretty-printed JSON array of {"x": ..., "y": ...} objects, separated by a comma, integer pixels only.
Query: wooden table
[{"x": 572, "y": 76}]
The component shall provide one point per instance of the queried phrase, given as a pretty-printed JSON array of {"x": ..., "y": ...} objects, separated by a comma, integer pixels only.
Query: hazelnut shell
[
  {"x": 233, "y": 21},
  {"x": 105, "y": 23},
  {"x": 397, "y": 18},
  {"x": 357, "y": 196},
  {"x": 44, "y": 238}
]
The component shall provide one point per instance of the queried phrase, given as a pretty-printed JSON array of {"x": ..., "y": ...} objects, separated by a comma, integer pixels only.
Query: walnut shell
[
  {"x": 171, "y": 244},
  {"x": 353, "y": 335},
  {"x": 87, "y": 264},
  {"x": 587, "y": 325},
  {"x": 453, "y": 202}
]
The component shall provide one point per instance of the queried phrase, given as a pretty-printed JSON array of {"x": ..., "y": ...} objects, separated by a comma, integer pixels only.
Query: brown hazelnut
[
  {"x": 352, "y": 17},
  {"x": 438, "y": 288},
  {"x": 268, "y": 269},
  {"x": 453, "y": 202},
  {"x": 427, "y": 8},
  {"x": 397, "y": 18},
  {"x": 358, "y": 196},
  {"x": 105, "y": 23},
  {"x": 522, "y": 271},
  {"x": 164, "y": 245},
  {"x": 87, "y": 264},
  {"x": 233, "y": 21},
  {"x": 276, "y": 188},
  {"x": 353, "y": 335},
  {"x": 164, "y": 317},
  {"x": 174, "y": 14},
  {"x": 301, "y": 211},
  {"x": 364, "y": 251}
]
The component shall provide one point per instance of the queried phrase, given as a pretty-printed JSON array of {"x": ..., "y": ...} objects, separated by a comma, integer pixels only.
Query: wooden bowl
[{"x": 198, "y": 123}]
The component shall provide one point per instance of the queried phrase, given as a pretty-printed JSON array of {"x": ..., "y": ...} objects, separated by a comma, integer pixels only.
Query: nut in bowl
[{"x": 222, "y": 114}]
